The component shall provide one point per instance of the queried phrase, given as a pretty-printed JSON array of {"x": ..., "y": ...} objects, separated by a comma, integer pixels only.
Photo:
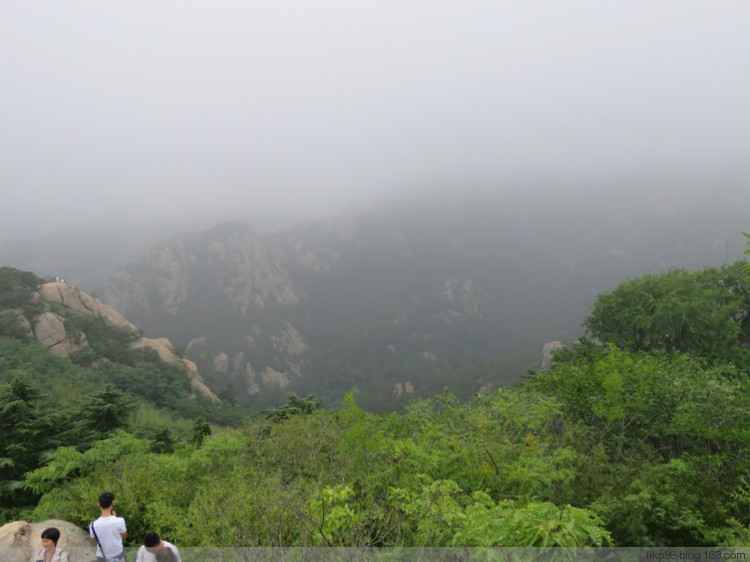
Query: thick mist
[{"x": 192, "y": 113}]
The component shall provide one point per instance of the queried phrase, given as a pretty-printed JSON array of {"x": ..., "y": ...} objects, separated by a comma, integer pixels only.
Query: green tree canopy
[
  {"x": 704, "y": 313},
  {"x": 25, "y": 433}
]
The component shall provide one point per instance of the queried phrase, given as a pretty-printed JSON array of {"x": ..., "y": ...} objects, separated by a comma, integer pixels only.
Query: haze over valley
[{"x": 445, "y": 289}]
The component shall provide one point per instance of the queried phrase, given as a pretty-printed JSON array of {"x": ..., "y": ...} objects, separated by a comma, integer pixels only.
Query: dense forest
[{"x": 637, "y": 435}]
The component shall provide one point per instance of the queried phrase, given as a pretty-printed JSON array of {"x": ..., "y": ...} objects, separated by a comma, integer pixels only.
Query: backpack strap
[
  {"x": 116, "y": 558},
  {"x": 93, "y": 530}
]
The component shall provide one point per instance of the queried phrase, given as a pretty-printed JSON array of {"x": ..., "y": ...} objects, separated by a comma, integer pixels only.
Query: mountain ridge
[
  {"x": 48, "y": 327},
  {"x": 411, "y": 293}
]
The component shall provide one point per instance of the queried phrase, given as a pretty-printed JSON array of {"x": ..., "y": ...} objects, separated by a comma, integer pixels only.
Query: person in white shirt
[
  {"x": 155, "y": 549},
  {"x": 108, "y": 531}
]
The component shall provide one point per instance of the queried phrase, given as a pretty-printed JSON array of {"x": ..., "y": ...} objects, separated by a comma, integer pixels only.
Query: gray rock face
[
  {"x": 254, "y": 273},
  {"x": 312, "y": 250},
  {"x": 244, "y": 270},
  {"x": 244, "y": 304},
  {"x": 228, "y": 271},
  {"x": 165, "y": 288},
  {"x": 289, "y": 341},
  {"x": 465, "y": 293},
  {"x": 548, "y": 350}
]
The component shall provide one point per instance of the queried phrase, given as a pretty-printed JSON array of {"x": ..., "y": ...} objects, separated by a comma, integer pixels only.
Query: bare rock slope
[{"x": 49, "y": 329}]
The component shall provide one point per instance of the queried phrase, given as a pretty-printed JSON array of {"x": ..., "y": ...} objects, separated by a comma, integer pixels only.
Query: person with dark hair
[
  {"x": 163, "y": 554},
  {"x": 156, "y": 549},
  {"x": 49, "y": 551},
  {"x": 108, "y": 531}
]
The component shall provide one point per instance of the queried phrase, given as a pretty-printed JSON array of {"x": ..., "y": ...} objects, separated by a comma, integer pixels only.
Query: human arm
[
  {"x": 121, "y": 527},
  {"x": 92, "y": 536}
]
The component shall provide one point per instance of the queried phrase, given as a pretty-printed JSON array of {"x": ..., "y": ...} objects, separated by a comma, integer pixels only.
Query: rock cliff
[
  {"x": 415, "y": 291},
  {"x": 244, "y": 270},
  {"x": 215, "y": 292},
  {"x": 260, "y": 313},
  {"x": 50, "y": 330}
]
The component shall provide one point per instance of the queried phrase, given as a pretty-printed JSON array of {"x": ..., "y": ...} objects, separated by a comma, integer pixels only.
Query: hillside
[
  {"x": 641, "y": 440},
  {"x": 415, "y": 293},
  {"x": 74, "y": 371},
  {"x": 71, "y": 323}
]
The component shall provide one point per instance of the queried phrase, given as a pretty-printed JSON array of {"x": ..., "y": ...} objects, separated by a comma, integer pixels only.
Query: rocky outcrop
[
  {"x": 231, "y": 262},
  {"x": 162, "y": 346},
  {"x": 49, "y": 329},
  {"x": 167, "y": 354},
  {"x": 252, "y": 272},
  {"x": 231, "y": 272},
  {"x": 400, "y": 389},
  {"x": 269, "y": 378},
  {"x": 79, "y": 301},
  {"x": 19, "y": 540},
  {"x": 548, "y": 351},
  {"x": 251, "y": 381},
  {"x": 272, "y": 377},
  {"x": 288, "y": 341},
  {"x": 315, "y": 247},
  {"x": 464, "y": 293},
  {"x": 221, "y": 362}
]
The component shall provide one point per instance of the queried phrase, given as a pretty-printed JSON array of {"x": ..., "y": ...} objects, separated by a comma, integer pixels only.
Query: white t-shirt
[
  {"x": 146, "y": 556},
  {"x": 109, "y": 530}
]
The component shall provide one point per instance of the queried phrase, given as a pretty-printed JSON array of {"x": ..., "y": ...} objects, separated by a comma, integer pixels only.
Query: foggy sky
[{"x": 292, "y": 109}]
